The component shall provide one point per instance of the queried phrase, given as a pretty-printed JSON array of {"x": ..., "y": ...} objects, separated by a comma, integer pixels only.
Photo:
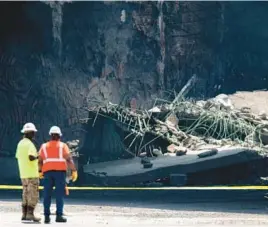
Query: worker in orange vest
[{"x": 54, "y": 158}]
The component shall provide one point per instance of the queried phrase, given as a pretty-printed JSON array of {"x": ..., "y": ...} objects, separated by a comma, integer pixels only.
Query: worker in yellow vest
[{"x": 27, "y": 158}]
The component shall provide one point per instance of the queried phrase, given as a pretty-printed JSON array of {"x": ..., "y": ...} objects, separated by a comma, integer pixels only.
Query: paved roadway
[{"x": 170, "y": 209}]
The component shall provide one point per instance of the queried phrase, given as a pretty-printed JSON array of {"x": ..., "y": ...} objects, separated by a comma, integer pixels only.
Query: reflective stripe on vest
[{"x": 60, "y": 159}]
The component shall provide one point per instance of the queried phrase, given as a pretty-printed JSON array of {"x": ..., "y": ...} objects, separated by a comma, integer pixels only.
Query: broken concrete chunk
[
  {"x": 174, "y": 149},
  {"x": 224, "y": 101},
  {"x": 201, "y": 103},
  {"x": 145, "y": 160},
  {"x": 221, "y": 101},
  {"x": 180, "y": 153},
  {"x": 74, "y": 147},
  {"x": 143, "y": 154},
  {"x": 164, "y": 128},
  {"x": 245, "y": 109},
  {"x": 157, "y": 152},
  {"x": 154, "y": 110},
  {"x": 213, "y": 151},
  {"x": 263, "y": 115},
  {"x": 72, "y": 143},
  {"x": 172, "y": 120},
  {"x": 171, "y": 148},
  {"x": 210, "y": 104},
  {"x": 170, "y": 154}
]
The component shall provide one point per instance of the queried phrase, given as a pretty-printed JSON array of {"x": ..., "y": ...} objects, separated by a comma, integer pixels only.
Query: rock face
[{"x": 57, "y": 58}]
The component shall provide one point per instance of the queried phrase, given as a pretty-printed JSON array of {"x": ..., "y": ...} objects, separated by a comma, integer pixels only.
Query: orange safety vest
[{"x": 53, "y": 156}]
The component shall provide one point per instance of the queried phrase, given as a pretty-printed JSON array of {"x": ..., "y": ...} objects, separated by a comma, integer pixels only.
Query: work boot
[
  {"x": 61, "y": 219},
  {"x": 24, "y": 212},
  {"x": 30, "y": 215},
  {"x": 47, "y": 220}
]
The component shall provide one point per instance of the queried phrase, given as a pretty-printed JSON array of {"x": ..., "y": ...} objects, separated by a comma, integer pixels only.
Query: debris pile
[
  {"x": 73, "y": 146},
  {"x": 74, "y": 150},
  {"x": 183, "y": 126}
]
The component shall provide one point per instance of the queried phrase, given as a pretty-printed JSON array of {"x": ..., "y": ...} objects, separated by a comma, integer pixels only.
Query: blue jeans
[{"x": 51, "y": 179}]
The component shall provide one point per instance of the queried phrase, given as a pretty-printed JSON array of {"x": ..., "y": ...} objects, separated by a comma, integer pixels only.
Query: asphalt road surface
[{"x": 85, "y": 209}]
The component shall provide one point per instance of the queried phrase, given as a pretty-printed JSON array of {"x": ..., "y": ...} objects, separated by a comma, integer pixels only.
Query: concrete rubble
[
  {"x": 182, "y": 128},
  {"x": 190, "y": 125}
]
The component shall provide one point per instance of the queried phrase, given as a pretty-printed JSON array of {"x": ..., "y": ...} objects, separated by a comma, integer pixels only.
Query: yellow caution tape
[{"x": 252, "y": 187}]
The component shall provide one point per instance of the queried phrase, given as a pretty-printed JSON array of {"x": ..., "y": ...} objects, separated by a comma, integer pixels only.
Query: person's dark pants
[{"x": 51, "y": 179}]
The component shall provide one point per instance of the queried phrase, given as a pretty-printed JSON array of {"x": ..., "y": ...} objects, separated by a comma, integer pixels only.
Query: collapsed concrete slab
[
  {"x": 183, "y": 137},
  {"x": 130, "y": 172}
]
